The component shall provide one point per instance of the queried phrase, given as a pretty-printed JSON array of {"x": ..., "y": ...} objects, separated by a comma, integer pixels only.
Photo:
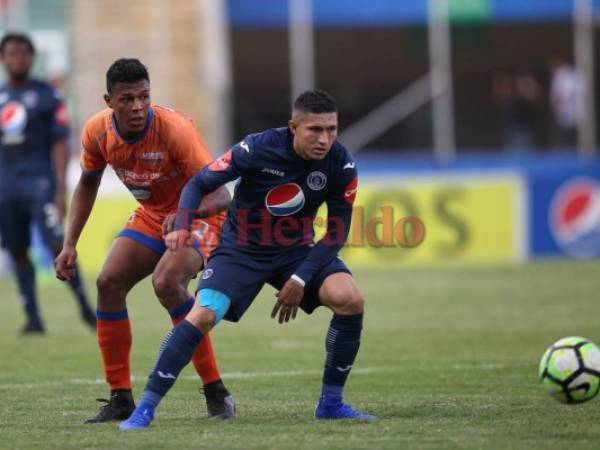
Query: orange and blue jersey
[{"x": 155, "y": 166}]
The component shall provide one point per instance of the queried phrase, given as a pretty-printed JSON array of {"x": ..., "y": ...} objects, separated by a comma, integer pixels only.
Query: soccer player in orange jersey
[{"x": 154, "y": 151}]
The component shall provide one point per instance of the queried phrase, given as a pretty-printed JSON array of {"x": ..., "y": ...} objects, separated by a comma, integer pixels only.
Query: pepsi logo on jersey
[
  {"x": 13, "y": 120},
  {"x": 285, "y": 200}
]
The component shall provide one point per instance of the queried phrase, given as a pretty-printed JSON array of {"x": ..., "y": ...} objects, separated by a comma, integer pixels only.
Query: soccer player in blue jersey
[
  {"x": 34, "y": 130},
  {"x": 285, "y": 175}
]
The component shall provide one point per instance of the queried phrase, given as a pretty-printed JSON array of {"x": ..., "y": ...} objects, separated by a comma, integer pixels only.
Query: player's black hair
[
  {"x": 315, "y": 101},
  {"x": 125, "y": 70},
  {"x": 16, "y": 37}
]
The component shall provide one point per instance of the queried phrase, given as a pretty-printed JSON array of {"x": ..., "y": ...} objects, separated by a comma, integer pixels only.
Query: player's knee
[
  {"x": 347, "y": 302},
  {"x": 111, "y": 290},
  {"x": 202, "y": 318},
  {"x": 166, "y": 288}
]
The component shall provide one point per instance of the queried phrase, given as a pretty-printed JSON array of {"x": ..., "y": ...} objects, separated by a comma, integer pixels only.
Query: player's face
[
  {"x": 130, "y": 103},
  {"x": 314, "y": 134},
  {"x": 17, "y": 59}
]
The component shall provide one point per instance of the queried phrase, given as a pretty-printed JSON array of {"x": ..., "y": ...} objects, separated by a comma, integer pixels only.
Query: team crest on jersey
[
  {"x": 30, "y": 98},
  {"x": 222, "y": 163},
  {"x": 316, "y": 180},
  {"x": 285, "y": 200},
  {"x": 13, "y": 118},
  {"x": 207, "y": 274}
]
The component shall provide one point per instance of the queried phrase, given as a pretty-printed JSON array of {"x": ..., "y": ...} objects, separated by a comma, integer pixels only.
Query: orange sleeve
[
  {"x": 92, "y": 160},
  {"x": 189, "y": 149}
]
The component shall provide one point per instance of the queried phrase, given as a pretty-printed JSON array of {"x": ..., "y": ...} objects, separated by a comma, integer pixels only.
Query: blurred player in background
[
  {"x": 34, "y": 132},
  {"x": 154, "y": 151},
  {"x": 286, "y": 175}
]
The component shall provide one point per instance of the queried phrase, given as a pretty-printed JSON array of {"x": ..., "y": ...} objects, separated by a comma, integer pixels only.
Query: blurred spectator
[
  {"x": 565, "y": 98},
  {"x": 518, "y": 96}
]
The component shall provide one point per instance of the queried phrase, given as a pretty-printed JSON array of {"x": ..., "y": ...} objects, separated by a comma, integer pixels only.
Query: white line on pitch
[{"x": 225, "y": 376}]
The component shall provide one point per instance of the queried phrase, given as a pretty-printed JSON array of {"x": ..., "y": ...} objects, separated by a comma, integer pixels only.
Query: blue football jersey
[
  {"x": 32, "y": 118},
  {"x": 278, "y": 196}
]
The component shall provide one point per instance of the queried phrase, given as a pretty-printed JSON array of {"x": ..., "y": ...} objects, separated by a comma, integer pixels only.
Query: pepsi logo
[
  {"x": 285, "y": 200},
  {"x": 575, "y": 217},
  {"x": 13, "y": 118}
]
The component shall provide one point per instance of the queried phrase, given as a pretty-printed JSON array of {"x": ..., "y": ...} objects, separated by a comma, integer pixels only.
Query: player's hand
[
  {"x": 178, "y": 239},
  {"x": 168, "y": 224},
  {"x": 288, "y": 300},
  {"x": 64, "y": 264}
]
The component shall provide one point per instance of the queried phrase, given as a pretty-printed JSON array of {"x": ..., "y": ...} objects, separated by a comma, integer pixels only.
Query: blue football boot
[{"x": 334, "y": 408}]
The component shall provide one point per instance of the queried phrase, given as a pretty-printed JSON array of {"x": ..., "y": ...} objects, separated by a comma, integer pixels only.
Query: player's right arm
[
  {"x": 81, "y": 208},
  {"x": 228, "y": 167},
  {"x": 92, "y": 163}
]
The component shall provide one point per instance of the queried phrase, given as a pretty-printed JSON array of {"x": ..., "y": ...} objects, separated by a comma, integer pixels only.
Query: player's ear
[
  {"x": 292, "y": 126},
  {"x": 107, "y": 100}
]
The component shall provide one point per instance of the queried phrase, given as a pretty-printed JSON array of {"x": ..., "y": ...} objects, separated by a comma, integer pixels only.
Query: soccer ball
[{"x": 570, "y": 370}]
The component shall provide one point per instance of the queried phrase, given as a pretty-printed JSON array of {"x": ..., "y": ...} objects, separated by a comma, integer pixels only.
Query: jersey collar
[{"x": 142, "y": 133}]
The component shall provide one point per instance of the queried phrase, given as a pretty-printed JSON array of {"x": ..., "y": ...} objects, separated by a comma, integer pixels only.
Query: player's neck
[{"x": 18, "y": 82}]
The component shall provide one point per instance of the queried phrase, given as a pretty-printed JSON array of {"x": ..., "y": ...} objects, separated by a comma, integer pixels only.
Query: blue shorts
[
  {"x": 34, "y": 207},
  {"x": 241, "y": 277}
]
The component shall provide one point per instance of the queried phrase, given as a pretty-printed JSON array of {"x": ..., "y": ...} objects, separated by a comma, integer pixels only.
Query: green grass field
[{"x": 448, "y": 361}]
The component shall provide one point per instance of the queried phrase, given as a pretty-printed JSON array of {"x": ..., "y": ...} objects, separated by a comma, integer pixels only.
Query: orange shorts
[{"x": 147, "y": 230}]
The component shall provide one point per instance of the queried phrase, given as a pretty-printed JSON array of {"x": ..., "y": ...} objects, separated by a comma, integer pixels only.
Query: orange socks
[{"x": 114, "y": 340}]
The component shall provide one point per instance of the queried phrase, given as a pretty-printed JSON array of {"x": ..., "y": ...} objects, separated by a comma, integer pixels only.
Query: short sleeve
[{"x": 92, "y": 160}]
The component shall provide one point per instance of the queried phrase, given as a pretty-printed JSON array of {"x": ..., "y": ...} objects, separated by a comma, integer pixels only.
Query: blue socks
[
  {"x": 76, "y": 286},
  {"x": 341, "y": 344},
  {"x": 175, "y": 353},
  {"x": 26, "y": 281}
]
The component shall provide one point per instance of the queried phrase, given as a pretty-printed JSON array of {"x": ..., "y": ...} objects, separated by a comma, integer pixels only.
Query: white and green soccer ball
[{"x": 570, "y": 370}]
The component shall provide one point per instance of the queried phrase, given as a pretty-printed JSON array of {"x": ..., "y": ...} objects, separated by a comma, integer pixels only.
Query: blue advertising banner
[{"x": 564, "y": 213}]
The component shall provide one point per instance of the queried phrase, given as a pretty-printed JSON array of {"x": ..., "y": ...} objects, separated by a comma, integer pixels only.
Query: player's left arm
[
  {"x": 339, "y": 218},
  {"x": 210, "y": 205},
  {"x": 60, "y": 155}
]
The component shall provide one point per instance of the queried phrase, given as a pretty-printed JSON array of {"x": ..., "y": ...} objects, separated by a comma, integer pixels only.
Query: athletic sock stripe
[
  {"x": 112, "y": 316},
  {"x": 182, "y": 310}
]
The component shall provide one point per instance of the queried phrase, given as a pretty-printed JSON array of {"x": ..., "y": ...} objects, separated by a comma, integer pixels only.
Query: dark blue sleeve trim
[{"x": 89, "y": 173}]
